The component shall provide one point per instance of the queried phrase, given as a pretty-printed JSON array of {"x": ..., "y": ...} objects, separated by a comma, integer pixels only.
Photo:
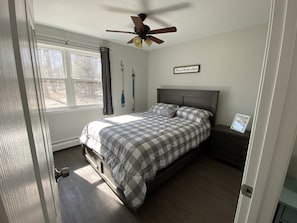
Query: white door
[
  {"x": 274, "y": 128},
  {"x": 28, "y": 190}
]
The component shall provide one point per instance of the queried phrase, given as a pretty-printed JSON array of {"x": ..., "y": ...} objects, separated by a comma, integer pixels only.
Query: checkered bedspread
[{"x": 136, "y": 146}]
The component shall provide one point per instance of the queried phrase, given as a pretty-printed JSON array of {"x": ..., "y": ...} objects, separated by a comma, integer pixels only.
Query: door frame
[{"x": 274, "y": 129}]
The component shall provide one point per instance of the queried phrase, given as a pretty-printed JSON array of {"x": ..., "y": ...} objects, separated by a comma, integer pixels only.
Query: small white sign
[{"x": 187, "y": 69}]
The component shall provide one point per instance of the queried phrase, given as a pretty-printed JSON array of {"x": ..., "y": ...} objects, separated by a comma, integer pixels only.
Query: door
[
  {"x": 18, "y": 187},
  {"x": 28, "y": 190},
  {"x": 274, "y": 129}
]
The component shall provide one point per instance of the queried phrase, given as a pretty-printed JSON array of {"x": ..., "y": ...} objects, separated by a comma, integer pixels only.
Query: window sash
[
  {"x": 81, "y": 53},
  {"x": 71, "y": 101},
  {"x": 62, "y": 62},
  {"x": 60, "y": 98}
]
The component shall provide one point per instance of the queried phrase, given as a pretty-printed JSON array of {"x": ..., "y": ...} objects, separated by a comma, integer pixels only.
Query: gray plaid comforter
[{"x": 136, "y": 146}]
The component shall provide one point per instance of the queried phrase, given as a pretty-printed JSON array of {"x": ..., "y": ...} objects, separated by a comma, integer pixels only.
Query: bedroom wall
[
  {"x": 66, "y": 125},
  {"x": 230, "y": 62}
]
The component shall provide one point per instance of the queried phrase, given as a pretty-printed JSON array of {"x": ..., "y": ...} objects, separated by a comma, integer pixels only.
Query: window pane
[
  {"x": 51, "y": 63},
  {"x": 85, "y": 67},
  {"x": 54, "y": 93},
  {"x": 88, "y": 93}
]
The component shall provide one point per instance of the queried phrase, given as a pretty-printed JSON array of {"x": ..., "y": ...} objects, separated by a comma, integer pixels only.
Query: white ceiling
[{"x": 193, "y": 19}]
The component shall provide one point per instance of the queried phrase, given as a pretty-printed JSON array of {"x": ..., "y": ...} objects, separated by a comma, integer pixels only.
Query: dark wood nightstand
[{"x": 229, "y": 146}]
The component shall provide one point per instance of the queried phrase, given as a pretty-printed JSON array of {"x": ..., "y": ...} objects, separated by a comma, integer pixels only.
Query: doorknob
[
  {"x": 246, "y": 190},
  {"x": 64, "y": 172}
]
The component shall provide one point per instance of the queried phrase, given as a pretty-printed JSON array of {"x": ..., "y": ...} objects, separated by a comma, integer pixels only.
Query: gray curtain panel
[{"x": 106, "y": 81}]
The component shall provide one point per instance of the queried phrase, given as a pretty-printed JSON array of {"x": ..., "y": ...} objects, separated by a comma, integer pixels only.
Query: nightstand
[{"x": 229, "y": 146}]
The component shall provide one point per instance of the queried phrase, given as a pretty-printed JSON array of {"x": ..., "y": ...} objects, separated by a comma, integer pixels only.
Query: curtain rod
[{"x": 67, "y": 42}]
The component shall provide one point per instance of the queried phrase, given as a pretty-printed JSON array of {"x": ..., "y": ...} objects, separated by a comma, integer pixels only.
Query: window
[
  {"x": 70, "y": 78},
  {"x": 86, "y": 75}
]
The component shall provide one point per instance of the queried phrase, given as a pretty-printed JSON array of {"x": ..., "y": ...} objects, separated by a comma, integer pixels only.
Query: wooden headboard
[{"x": 204, "y": 99}]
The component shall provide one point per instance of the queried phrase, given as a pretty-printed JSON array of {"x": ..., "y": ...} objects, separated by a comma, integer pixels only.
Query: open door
[
  {"x": 274, "y": 128},
  {"x": 28, "y": 188}
]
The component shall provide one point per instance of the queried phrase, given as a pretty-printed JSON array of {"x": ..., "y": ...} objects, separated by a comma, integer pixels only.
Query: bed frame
[{"x": 205, "y": 99}]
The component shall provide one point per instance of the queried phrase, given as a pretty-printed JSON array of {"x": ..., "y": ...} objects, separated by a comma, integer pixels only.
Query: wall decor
[
  {"x": 187, "y": 69},
  {"x": 133, "y": 90},
  {"x": 123, "y": 86},
  {"x": 240, "y": 122}
]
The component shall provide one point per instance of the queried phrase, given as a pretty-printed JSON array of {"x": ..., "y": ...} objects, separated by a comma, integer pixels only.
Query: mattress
[{"x": 136, "y": 146}]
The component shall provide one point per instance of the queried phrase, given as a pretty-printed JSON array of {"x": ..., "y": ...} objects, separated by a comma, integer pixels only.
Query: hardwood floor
[{"x": 205, "y": 191}]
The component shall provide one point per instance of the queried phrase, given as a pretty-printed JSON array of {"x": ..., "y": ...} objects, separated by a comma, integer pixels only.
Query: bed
[{"x": 134, "y": 158}]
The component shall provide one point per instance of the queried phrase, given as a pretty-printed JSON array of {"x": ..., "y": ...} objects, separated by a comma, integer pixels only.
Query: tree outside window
[{"x": 70, "y": 78}]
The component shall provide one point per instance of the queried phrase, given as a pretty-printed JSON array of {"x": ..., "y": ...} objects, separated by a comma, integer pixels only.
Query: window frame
[{"x": 69, "y": 81}]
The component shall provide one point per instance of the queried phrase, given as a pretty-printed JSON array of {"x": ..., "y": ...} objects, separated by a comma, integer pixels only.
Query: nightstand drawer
[
  {"x": 234, "y": 159},
  {"x": 230, "y": 139},
  {"x": 229, "y": 146}
]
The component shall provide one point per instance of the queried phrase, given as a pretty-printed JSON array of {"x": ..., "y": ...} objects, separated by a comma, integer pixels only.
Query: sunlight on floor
[
  {"x": 87, "y": 174},
  {"x": 124, "y": 119},
  {"x": 105, "y": 189}
]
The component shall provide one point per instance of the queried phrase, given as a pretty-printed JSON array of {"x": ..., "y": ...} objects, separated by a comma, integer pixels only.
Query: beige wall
[{"x": 230, "y": 62}]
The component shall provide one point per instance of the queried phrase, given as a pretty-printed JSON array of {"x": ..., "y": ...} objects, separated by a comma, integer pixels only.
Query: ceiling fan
[{"x": 144, "y": 32}]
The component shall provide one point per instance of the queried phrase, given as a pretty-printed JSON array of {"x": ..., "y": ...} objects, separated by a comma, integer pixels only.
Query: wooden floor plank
[{"x": 205, "y": 191}]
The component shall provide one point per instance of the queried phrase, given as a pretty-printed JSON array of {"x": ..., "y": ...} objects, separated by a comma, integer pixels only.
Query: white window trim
[{"x": 69, "y": 81}]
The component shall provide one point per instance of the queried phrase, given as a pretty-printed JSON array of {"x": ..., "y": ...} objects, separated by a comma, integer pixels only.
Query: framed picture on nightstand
[{"x": 240, "y": 122}]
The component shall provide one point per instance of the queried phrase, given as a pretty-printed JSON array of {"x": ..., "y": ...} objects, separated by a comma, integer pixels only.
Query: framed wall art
[
  {"x": 240, "y": 122},
  {"x": 187, "y": 69}
]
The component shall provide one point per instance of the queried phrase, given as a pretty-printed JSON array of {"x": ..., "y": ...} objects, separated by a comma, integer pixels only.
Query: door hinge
[{"x": 246, "y": 190}]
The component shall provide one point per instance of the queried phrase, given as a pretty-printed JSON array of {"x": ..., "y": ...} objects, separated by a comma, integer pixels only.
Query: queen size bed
[{"x": 137, "y": 152}]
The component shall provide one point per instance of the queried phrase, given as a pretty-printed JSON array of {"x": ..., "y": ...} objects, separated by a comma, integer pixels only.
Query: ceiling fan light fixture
[
  {"x": 148, "y": 41},
  {"x": 137, "y": 42}
]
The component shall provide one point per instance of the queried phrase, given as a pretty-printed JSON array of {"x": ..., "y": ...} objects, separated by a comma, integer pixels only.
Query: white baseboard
[{"x": 66, "y": 143}]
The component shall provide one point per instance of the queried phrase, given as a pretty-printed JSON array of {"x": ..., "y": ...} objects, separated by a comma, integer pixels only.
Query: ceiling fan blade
[
  {"x": 131, "y": 40},
  {"x": 119, "y": 9},
  {"x": 163, "y": 30},
  {"x": 117, "y": 31},
  {"x": 161, "y": 22},
  {"x": 138, "y": 23},
  {"x": 155, "y": 39},
  {"x": 168, "y": 9}
]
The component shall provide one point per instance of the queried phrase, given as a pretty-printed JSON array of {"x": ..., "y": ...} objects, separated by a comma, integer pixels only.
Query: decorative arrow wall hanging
[
  {"x": 123, "y": 86},
  {"x": 133, "y": 90}
]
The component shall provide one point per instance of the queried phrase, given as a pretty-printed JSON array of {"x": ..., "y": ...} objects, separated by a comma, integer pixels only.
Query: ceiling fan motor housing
[
  {"x": 142, "y": 16},
  {"x": 142, "y": 33}
]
